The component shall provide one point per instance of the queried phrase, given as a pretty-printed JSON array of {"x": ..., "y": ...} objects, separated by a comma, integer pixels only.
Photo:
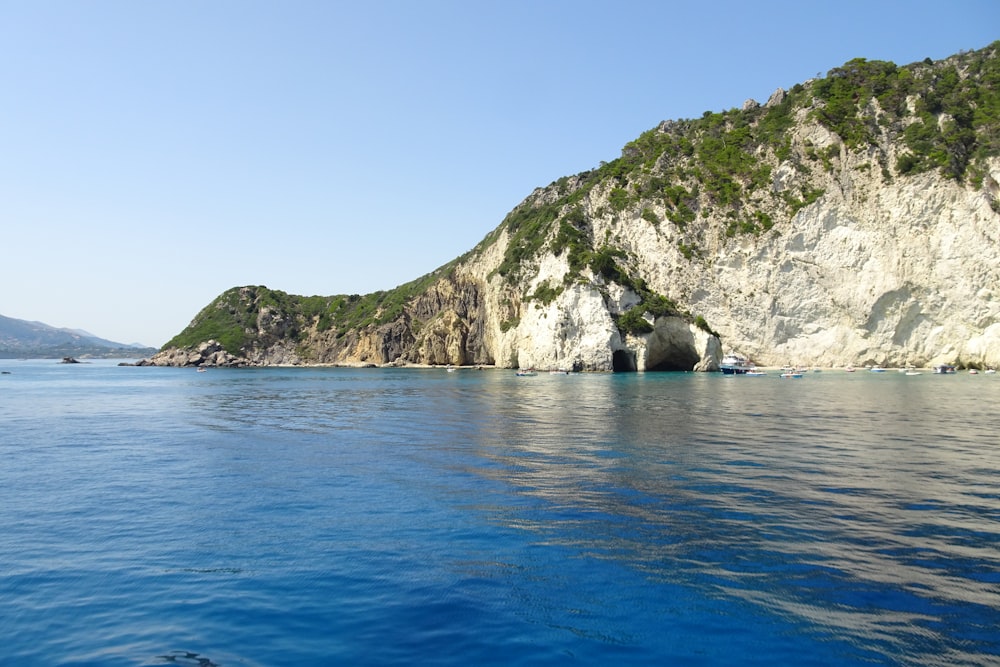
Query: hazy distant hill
[{"x": 24, "y": 339}]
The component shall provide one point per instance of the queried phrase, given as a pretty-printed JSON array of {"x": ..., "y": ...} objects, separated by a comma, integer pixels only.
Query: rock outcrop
[
  {"x": 209, "y": 353},
  {"x": 807, "y": 230}
]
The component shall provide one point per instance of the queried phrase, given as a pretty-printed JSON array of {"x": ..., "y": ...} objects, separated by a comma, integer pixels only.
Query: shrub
[
  {"x": 700, "y": 322},
  {"x": 618, "y": 198},
  {"x": 545, "y": 293},
  {"x": 633, "y": 321}
]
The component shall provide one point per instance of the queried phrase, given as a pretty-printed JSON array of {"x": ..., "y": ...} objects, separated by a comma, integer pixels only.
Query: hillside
[
  {"x": 851, "y": 219},
  {"x": 33, "y": 340}
]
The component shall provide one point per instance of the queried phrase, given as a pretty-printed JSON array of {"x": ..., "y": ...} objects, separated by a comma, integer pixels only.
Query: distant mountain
[{"x": 24, "y": 339}]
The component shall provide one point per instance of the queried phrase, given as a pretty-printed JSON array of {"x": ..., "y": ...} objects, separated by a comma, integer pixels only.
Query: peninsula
[{"x": 853, "y": 219}]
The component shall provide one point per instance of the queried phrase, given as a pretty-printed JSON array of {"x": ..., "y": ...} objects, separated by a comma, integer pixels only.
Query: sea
[{"x": 371, "y": 516}]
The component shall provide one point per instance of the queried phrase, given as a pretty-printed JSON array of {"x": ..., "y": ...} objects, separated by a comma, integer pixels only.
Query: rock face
[
  {"x": 818, "y": 241},
  {"x": 890, "y": 274}
]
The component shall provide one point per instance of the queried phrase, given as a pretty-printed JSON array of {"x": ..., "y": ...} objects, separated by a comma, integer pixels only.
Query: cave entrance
[
  {"x": 673, "y": 350},
  {"x": 623, "y": 361},
  {"x": 675, "y": 359},
  {"x": 672, "y": 365}
]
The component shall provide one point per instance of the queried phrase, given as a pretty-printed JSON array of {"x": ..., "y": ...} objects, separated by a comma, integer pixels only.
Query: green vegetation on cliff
[
  {"x": 223, "y": 320},
  {"x": 245, "y": 317},
  {"x": 945, "y": 114}
]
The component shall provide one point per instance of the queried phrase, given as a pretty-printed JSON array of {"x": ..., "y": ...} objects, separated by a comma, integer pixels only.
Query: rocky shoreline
[{"x": 211, "y": 354}]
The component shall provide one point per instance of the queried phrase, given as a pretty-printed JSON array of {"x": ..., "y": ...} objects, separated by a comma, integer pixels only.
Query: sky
[{"x": 155, "y": 154}]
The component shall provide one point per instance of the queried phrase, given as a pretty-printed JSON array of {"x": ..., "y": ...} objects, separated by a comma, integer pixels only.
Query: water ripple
[{"x": 301, "y": 516}]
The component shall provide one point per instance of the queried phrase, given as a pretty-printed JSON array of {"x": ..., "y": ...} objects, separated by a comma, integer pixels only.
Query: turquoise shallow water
[{"x": 336, "y": 516}]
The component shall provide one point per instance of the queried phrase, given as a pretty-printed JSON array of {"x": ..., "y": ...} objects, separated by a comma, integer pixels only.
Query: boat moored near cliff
[{"x": 735, "y": 364}]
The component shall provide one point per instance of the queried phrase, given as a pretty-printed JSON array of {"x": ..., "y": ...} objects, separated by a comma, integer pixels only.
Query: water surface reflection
[{"x": 864, "y": 508}]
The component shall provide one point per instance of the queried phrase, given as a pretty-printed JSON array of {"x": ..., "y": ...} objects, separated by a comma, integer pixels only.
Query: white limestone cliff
[{"x": 903, "y": 273}]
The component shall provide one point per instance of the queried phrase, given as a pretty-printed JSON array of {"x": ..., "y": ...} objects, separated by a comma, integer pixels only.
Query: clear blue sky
[{"x": 154, "y": 154}]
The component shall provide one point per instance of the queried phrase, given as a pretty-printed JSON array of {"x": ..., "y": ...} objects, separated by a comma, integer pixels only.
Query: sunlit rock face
[{"x": 892, "y": 274}]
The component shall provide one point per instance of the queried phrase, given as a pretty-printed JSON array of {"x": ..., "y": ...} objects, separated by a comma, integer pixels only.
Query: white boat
[
  {"x": 791, "y": 374},
  {"x": 735, "y": 364},
  {"x": 754, "y": 372},
  {"x": 913, "y": 372},
  {"x": 990, "y": 371},
  {"x": 526, "y": 372},
  {"x": 944, "y": 369}
]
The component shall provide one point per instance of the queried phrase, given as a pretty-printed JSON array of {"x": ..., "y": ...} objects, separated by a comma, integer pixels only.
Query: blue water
[{"x": 153, "y": 516}]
